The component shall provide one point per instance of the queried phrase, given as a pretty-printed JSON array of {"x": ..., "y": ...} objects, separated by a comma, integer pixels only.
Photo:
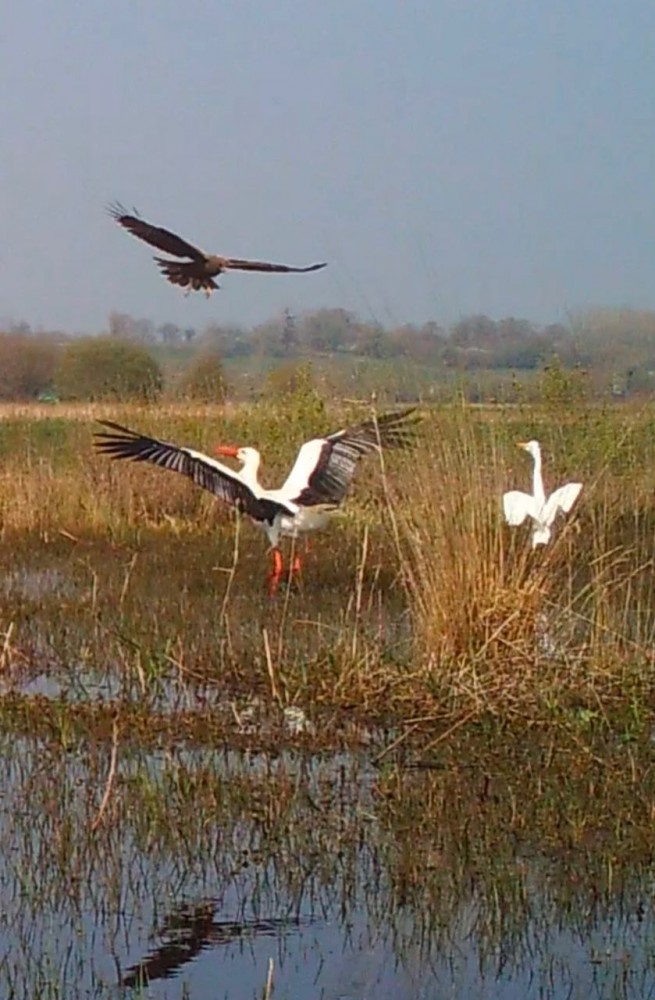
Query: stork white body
[
  {"x": 295, "y": 520},
  {"x": 541, "y": 509},
  {"x": 316, "y": 485}
]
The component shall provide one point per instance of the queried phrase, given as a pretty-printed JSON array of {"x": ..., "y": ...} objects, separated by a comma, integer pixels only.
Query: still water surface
[{"x": 209, "y": 864}]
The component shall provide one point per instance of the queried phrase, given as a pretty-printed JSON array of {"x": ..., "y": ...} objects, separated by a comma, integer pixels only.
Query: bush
[
  {"x": 27, "y": 365},
  {"x": 204, "y": 379},
  {"x": 294, "y": 388},
  {"x": 103, "y": 368}
]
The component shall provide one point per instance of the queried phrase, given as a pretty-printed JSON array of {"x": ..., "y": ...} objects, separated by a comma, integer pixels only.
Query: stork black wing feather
[
  {"x": 341, "y": 452},
  {"x": 121, "y": 442}
]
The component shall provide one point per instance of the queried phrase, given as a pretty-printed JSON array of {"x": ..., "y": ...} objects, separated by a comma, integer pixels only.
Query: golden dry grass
[{"x": 419, "y": 599}]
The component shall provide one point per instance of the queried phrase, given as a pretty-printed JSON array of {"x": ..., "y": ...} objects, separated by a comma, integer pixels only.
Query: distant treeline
[
  {"x": 615, "y": 347},
  {"x": 612, "y": 338}
]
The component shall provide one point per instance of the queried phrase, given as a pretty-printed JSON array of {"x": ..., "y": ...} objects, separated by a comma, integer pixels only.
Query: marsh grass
[
  {"x": 418, "y": 602},
  {"x": 484, "y": 852},
  {"x": 503, "y": 628},
  {"x": 520, "y": 809}
]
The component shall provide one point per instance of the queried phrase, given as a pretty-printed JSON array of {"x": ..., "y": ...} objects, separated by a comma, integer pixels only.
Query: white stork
[{"x": 316, "y": 485}]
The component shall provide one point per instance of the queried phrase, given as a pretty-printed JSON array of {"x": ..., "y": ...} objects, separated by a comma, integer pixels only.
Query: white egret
[{"x": 543, "y": 510}]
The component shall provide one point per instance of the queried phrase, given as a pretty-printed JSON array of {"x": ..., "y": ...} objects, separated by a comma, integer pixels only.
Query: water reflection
[
  {"x": 34, "y": 584},
  {"x": 358, "y": 883},
  {"x": 189, "y": 930}
]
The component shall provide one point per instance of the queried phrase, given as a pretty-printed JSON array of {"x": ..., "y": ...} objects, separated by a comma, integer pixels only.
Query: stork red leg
[
  {"x": 297, "y": 564},
  {"x": 276, "y": 572}
]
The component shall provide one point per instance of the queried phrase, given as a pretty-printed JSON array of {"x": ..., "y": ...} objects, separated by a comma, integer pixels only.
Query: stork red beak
[{"x": 226, "y": 449}]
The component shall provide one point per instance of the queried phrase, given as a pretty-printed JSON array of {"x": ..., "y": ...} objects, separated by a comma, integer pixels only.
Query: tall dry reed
[{"x": 497, "y": 624}]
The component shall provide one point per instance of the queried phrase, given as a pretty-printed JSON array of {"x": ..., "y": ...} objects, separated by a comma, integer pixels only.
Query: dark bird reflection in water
[{"x": 190, "y": 930}]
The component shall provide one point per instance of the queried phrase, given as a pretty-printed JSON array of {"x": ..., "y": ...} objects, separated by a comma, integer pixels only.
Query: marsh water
[
  {"x": 149, "y": 850},
  {"x": 356, "y": 881}
]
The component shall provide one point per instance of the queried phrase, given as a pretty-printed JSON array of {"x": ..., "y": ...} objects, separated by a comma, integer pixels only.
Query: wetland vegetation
[
  {"x": 426, "y": 766},
  {"x": 419, "y": 600}
]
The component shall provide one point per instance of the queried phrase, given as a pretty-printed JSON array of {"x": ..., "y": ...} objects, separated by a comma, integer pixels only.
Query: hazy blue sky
[{"x": 445, "y": 156}]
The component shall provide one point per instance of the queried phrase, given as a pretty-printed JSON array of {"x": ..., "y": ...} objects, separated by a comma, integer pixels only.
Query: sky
[{"x": 446, "y": 157}]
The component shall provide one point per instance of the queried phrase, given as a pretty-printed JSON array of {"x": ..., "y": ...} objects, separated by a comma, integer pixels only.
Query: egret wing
[
  {"x": 562, "y": 499},
  {"x": 517, "y": 506}
]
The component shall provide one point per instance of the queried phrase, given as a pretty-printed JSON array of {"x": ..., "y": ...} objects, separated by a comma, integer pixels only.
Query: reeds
[
  {"x": 498, "y": 626},
  {"x": 418, "y": 602}
]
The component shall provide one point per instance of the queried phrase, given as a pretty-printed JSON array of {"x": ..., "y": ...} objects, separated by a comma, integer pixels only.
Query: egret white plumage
[
  {"x": 541, "y": 509},
  {"x": 316, "y": 485}
]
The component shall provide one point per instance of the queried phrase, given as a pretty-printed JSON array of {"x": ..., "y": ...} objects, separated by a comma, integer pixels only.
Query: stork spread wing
[
  {"x": 224, "y": 483},
  {"x": 234, "y": 264},
  {"x": 157, "y": 237},
  {"x": 324, "y": 467}
]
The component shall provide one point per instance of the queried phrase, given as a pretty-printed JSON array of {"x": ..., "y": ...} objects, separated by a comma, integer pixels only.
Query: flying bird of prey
[{"x": 199, "y": 271}]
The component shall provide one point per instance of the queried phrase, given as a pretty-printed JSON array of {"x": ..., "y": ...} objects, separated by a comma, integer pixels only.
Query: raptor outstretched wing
[
  {"x": 235, "y": 264},
  {"x": 156, "y": 236}
]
